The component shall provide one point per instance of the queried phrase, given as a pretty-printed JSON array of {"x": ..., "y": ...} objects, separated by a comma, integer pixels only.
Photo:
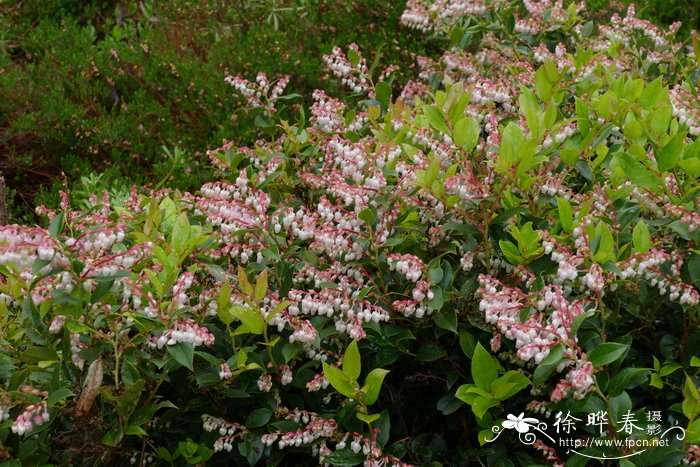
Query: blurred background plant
[{"x": 99, "y": 87}]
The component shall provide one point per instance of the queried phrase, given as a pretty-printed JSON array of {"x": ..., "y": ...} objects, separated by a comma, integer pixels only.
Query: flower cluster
[
  {"x": 185, "y": 331},
  {"x": 315, "y": 427},
  {"x": 34, "y": 415},
  {"x": 351, "y": 69},
  {"x": 228, "y": 432},
  {"x": 547, "y": 324},
  {"x": 368, "y": 447},
  {"x": 261, "y": 93}
]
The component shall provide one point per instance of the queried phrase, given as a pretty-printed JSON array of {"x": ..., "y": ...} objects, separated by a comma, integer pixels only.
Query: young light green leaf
[
  {"x": 351, "y": 361},
  {"x": 280, "y": 306},
  {"x": 367, "y": 418},
  {"x": 508, "y": 385},
  {"x": 181, "y": 233},
  {"x": 466, "y": 133},
  {"x": 484, "y": 368},
  {"x": 670, "y": 154},
  {"x": 543, "y": 85},
  {"x": 603, "y": 244},
  {"x": 340, "y": 381},
  {"x": 251, "y": 319},
  {"x": 531, "y": 109},
  {"x": 373, "y": 383},
  {"x": 223, "y": 304},
  {"x": 244, "y": 283},
  {"x": 437, "y": 118},
  {"x": 566, "y": 217},
  {"x": 641, "y": 237},
  {"x": 511, "y": 252},
  {"x": 261, "y": 285}
]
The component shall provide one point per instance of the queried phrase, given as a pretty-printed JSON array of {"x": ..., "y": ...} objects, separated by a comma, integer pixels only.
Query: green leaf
[
  {"x": 251, "y": 320},
  {"x": 635, "y": 171},
  {"x": 485, "y": 436},
  {"x": 56, "y": 225},
  {"x": 578, "y": 321},
  {"x": 511, "y": 148},
  {"x": 351, "y": 361},
  {"x": 582, "y": 113},
  {"x": 367, "y": 418},
  {"x": 345, "y": 458},
  {"x": 448, "y": 404},
  {"x": 531, "y": 109},
  {"x": 569, "y": 156},
  {"x": 543, "y": 85},
  {"x": 548, "y": 365},
  {"x": 39, "y": 354},
  {"x": 353, "y": 57},
  {"x": 114, "y": 436},
  {"x": 603, "y": 244},
  {"x": 508, "y": 385},
  {"x": 511, "y": 252},
  {"x": 340, "y": 381},
  {"x": 691, "y": 166},
  {"x": 627, "y": 378},
  {"x": 373, "y": 383},
  {"x": 437, "y": 118},
  {"x": 223, "y": 304},
  {"x": 183, "y": 353},
  {"x": 135, "y": 430},
  {"x": 566, "y": 217},
  {"x": 466, "y": 133},
  {"x": 484, "y": 368},
  {"x": 244, "y": 283},
  {"x": 693, "y": 433},
  {"x": 667, "y": 157},
  {"x": 181, "y": 233},
  {"x": 606, "y": 353},
  {"x": 435, "y": 273},
  {"x": 382, "y": 91},
  {"x": 446, "y": 319},
  {"x": 258, "y": 417},
  {"x": 482, "y": 404},
  {"x": 59, "y": 395},
  {"x": 653, "y": 93},
  {"x": 641, "y": 237},
  {"x": 691, "y": 399},
  {"x": 261, "y": 285},
  {"x": 467, "y": 342},
  {"x": 429, "y": 353}
]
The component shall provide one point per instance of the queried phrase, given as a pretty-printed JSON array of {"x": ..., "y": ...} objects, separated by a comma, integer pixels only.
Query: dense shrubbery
[{"x": 390, "y": 279}]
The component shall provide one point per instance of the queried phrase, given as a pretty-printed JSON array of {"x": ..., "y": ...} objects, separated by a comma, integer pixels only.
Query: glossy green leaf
[
  {"x": 606, "y": 353},
  {"x": 183, "y": 353}
]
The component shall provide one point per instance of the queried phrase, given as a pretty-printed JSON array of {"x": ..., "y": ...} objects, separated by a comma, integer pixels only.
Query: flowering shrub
[{"x": 333, "y": 296}]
